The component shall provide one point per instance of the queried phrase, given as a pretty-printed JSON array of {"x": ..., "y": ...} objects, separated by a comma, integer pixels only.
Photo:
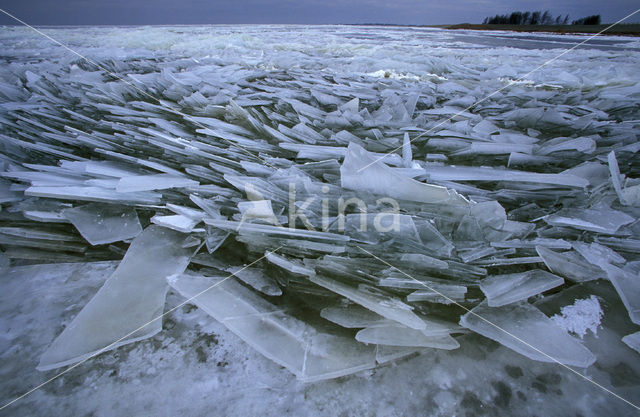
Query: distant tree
[
  {"x": 515, "y": 18},
  {"x": 589, "y": 20},
  {"x": 535, "y": 18}
]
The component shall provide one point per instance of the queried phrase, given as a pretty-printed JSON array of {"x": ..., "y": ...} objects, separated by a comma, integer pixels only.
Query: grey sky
[{"x": 132, "y": 12}]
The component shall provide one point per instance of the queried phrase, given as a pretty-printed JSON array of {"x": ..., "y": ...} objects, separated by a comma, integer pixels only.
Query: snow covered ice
[{"x": 322, "y": 213}]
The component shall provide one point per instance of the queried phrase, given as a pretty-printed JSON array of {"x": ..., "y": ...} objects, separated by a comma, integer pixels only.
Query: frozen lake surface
[{"x": 505, "y": 285}]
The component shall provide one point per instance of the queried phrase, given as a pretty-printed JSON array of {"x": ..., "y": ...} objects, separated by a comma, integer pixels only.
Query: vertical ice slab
[
  {"x": 361, "y": 171},
  {"x": 126, "y": 309},
  {"x": 306, "y": 352},
  {"x": 103, "y": 223},
  {"x": 525, "y": 329}
]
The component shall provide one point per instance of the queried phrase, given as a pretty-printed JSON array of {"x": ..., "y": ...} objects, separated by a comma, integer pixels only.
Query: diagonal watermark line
[
  {"x": 160, "y": 102},
  {"x": 132, "y": 332},
  {"x": 501, "y": 88},
  {"x": 499, "y": 328}
]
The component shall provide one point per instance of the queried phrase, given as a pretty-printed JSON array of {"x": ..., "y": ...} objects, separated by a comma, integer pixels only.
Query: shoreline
[{"x": 630, "y": 29}]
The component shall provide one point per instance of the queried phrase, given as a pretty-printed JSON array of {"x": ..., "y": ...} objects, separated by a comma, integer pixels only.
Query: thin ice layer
[
  {"x": 257, "y": 279},
  {"x": 386, "y": 306},
  {"x": 633, "y": 341},
  {"x": 625, "y": 282},
  {"x": 152, "y": 182},
  {"x": 525, "y": 329},
  {"x": 465, "y": 173},
  {"x": 600, "y": 220},
  {"x": 570, "y": 265},
  {"x": 352, "y": 316},
  {"x": 309, "y": 354},
  {"x": 361, "y": 171},
  {"x": 394, "y": 334},
  {"x": 103, "y": 223},
  {"x": 506, "y": 289},
  {"x": 126, "y": 309}
]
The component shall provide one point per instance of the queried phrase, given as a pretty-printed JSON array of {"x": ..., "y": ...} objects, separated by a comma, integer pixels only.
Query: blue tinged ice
[
  {"x": 308, "y": 353},
  {"x": 362, "y": 171},
  {"x": 633, "y": 341},
  {"x": 526, "y": 330},
  {"x": 152, "y": 182},
  {"x": 509, "y": 288},
  {"x": 126, "y": 309},
  {"x": 100, "y": 223}
]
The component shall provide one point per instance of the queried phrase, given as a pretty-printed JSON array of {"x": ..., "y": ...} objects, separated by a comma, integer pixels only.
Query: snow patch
[{"x": 581, "y": 316}]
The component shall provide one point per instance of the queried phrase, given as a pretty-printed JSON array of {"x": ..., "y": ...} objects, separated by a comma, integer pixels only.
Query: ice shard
[
  {"x": 465, "y": 173},
  {"x": 526, "y": 330},
  {"x": 362, "y": 171},
  {"x": 570, "y": 265},
  {"x": 178, "y": 222},
  {"x": 397, "y": 335},
  {"x": 602, "y": 220},
  {"x": 352, "y": 316},
  {"x": 256, "y": 279},
  {"x": 386, "y": 306},
  {"x": 310, "y": 354},
  {"x": 101, "y": 223},
  {"x": 633, "y": 341},
  {"x": 152, "y": 182},
  {"x": 129, "y": 306},
  {"x": 509, "y": 288}
]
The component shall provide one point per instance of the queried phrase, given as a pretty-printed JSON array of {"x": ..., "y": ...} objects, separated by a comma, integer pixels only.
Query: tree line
[{"x": 538, "y": 18}]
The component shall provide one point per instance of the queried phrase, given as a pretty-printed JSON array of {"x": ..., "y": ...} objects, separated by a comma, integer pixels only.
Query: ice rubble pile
[{"x": 282, "y": 178}]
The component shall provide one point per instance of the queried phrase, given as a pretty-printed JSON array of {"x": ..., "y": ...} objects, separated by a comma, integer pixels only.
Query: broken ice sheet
[
  {"x": 256, "y": 279},
  {"x": 386, "y": 353},
  {"x": 386, "y": 306},
  {"x": 394, "y": 334},
  {"x": 104, "y": 223},
  {"x": 352, "y": 316},
  {"x": 469, "y": 173},
  {"x": 570, "y": 265},
  {"x": 99, "y": 194},
  {"x": 439, "y": 293},
  {"x": 506, "y": 289},
  {"x": 616, "y": 178},
  {"x": 627, "y": 285},
  {"x": 292, "y": 265},
  {"x": 152, "y": 182},
  {"x": 601, "y": 219},
  {"x": 258, "y": 210},
  {"x": 306, "y": 352},
  {"x": 625, "y": 282},
  {"x": 526, "y": 330},
  {"x": 178, "y": 222},
  {"x": 128, "y": 307},
  {"x": 633, "y": 341},
  {"x": 362, "y": 171}
]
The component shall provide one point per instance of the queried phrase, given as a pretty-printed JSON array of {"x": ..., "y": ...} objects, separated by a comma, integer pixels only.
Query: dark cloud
[{"x": 135, "y": 12}]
